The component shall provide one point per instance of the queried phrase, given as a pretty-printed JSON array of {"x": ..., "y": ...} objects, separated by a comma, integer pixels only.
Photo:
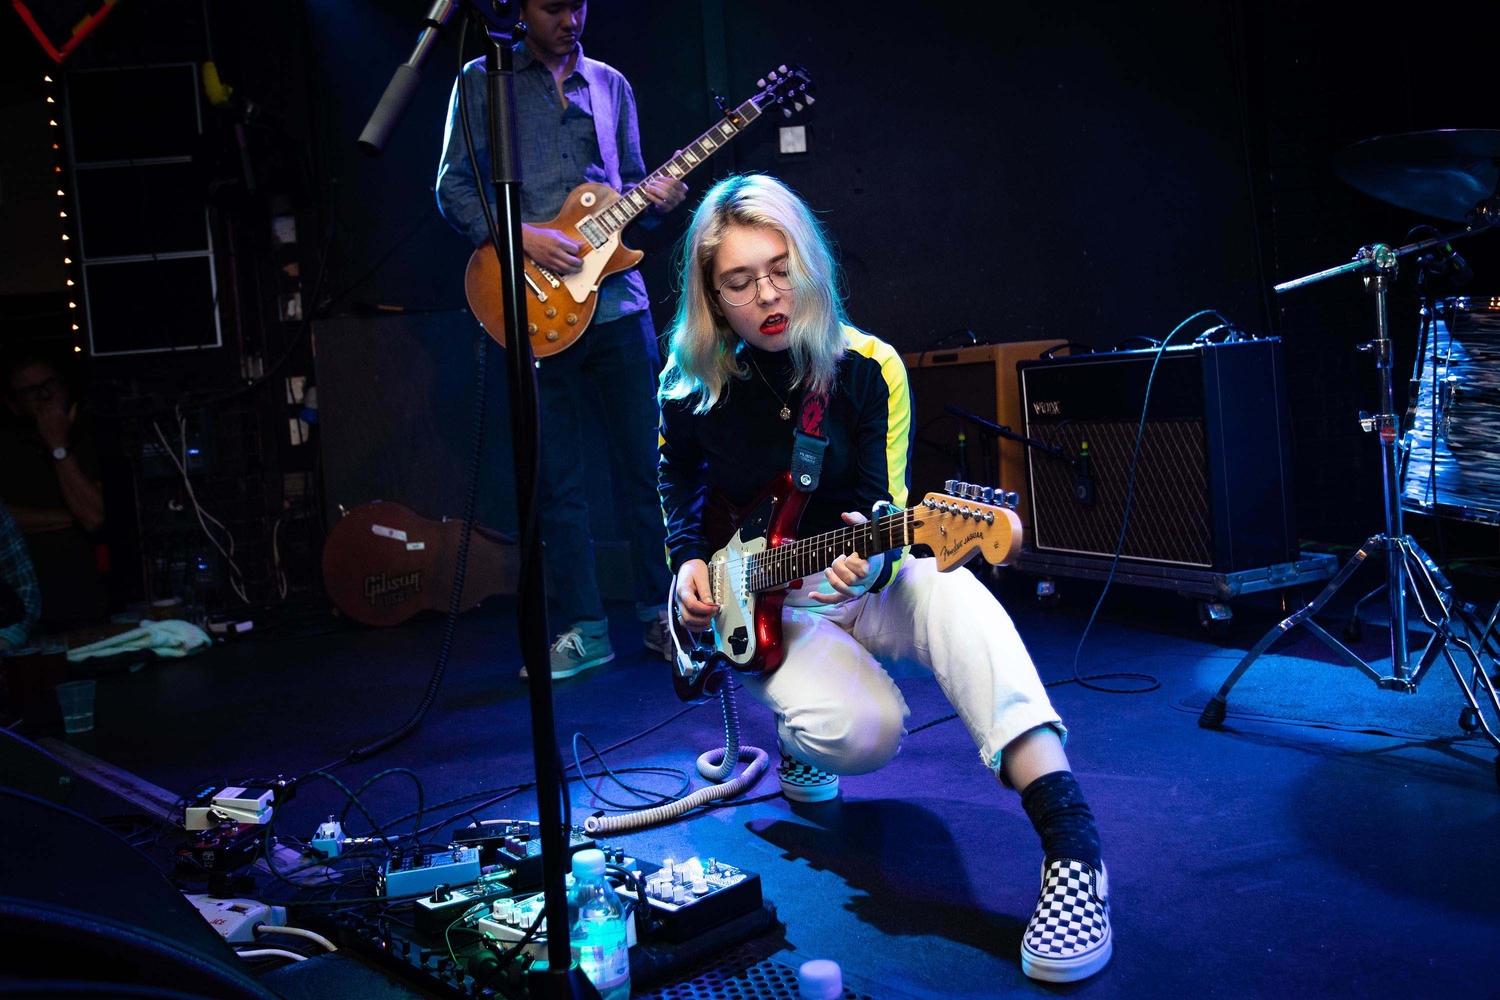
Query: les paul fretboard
[{"x": 597, "y": 229}]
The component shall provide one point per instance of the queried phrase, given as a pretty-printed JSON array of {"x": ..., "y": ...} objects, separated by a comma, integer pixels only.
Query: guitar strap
[{"x": 810, "y": 442}]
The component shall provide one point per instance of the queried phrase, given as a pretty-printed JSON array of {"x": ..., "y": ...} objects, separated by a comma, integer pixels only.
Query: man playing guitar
[
  {"x": 577, "y": 122},
  {"x": 759, "y": 326}
]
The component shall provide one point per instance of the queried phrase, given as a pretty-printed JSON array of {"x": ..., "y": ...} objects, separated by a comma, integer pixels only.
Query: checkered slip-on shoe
[
  {"x": 1068, "y": 937},
  {"x": 804, "y": 783}
]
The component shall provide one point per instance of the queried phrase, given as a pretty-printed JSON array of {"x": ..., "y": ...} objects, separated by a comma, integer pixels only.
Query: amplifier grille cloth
[{"x": 1170, "y": 519}]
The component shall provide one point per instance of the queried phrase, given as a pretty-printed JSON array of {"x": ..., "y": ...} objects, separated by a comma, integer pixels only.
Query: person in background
[
  {"x": 577, "y": 124},
  {"x": 20, "y": 597},
  {"x": 53, "y": 487}
]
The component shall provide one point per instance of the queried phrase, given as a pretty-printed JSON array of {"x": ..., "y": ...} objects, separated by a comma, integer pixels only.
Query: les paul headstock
[{"x": 965, "y": 519}]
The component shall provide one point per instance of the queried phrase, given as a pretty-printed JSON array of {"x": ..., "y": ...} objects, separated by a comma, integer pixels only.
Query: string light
[{"x": 62, "y": 213}]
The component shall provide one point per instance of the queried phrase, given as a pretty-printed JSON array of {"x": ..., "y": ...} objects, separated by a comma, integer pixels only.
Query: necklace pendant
[{"x": 786, "y": 413}]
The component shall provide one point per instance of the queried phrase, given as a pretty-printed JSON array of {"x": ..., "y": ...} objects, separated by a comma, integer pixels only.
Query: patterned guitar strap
[{"x": 810, "y": 442}]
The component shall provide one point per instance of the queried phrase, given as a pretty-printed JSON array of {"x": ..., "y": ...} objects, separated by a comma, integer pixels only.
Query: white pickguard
[
  {"x": 734, "y": 626},
  {"x": 586, "y": 282}
]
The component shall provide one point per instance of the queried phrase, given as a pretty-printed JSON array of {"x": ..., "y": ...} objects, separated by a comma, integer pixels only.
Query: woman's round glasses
[{"x": 740, "y": 289}]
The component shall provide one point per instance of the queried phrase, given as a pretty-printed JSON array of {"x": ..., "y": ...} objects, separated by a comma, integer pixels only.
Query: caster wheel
[
  {"x": 1215, "y": 617},
  {"x": 1047, "y": 594},
  {"x": 1468, "y": 720},
  {"x": 1352, "y": 629}
]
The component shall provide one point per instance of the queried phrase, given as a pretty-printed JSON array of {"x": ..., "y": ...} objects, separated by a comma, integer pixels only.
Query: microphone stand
[
  {"x": 999, "y": 430},
  {"x": 1412, "y": 580},
  {"x": 561, "y": 980}
]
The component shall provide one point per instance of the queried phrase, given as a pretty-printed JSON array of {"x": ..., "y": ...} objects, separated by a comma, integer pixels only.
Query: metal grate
[
  {"x": 1170, "y": 519},
  {"x": 747, "y": 973}
]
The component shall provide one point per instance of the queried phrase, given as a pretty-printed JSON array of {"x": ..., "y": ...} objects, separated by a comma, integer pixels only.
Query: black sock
[{"x": 1056, "y": 807}]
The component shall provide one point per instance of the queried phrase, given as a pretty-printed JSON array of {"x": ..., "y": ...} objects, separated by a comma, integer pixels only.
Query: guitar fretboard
[
  {"x": 808, "y": 556},
  {"x": 600, "y": 227}
]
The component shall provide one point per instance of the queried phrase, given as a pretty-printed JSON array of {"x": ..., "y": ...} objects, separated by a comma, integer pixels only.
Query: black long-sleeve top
[{"x": 712, "y": 462}]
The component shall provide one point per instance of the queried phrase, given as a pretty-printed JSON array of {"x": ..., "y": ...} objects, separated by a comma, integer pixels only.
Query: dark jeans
[{"x": 616, "y": 364}]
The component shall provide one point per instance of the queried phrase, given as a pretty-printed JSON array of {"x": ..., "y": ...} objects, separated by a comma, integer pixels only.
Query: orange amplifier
[{"x": 983, "y": 381}]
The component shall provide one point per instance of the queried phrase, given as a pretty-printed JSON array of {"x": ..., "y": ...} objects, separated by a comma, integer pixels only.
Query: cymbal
[{"x": 1443, "y": 173}]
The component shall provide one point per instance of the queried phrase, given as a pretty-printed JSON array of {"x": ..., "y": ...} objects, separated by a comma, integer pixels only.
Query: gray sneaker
[
  {"x": 657, "y": 636},
  {"x": 573, "y": 653}
]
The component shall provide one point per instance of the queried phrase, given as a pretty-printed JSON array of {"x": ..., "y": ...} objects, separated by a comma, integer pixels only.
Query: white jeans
[{"x": 836, "y": 705}]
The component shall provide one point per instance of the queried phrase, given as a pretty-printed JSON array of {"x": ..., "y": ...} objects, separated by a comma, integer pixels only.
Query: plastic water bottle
[{"x": 598, "y": 931}]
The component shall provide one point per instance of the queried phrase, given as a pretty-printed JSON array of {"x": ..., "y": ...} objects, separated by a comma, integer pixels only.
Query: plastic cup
[{"x": 76, "y": 699}]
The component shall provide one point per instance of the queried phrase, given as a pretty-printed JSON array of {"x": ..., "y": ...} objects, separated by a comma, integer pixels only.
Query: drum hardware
[{"x": 1432, "y": 173}]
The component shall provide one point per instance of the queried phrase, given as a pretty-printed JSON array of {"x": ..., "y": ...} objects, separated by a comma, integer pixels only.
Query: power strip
[{"x": 236, "y": 919}]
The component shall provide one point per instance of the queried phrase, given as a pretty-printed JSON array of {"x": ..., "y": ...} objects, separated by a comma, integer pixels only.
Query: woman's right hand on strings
[{"x": 695, "y": 603}]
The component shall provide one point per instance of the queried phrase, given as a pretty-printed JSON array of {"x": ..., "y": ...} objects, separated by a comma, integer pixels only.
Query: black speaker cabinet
[{"x": 1213, "y": 486}]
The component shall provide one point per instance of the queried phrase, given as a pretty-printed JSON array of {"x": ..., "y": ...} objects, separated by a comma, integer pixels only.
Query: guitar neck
[
  {"x": 633, "y": 203},
  {"x": 805, "y": 557}
]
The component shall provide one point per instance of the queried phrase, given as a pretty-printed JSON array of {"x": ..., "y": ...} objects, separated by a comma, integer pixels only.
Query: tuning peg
[
  {"x": 797, "y": 105},
  {"x": 761, "y": 83},
  {"x": 771, "y": 76},
  {"x": 986, "y": 494},
  {"x": 811, "y": 99},
  {"x": 787, "y": 112},
  {"x": 1008, "y": 498},
  {"x": 949, "y": 485},
  {"x": 782, "y": 68}
]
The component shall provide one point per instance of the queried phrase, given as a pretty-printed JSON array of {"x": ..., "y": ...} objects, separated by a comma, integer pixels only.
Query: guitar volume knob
[
  {"x": 531, "y": 328},
  {"x": 550, "y": 311},
  {"x": 571, "y": 318}
]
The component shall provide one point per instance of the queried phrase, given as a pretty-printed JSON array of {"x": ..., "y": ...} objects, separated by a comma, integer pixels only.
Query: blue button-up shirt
[{"x": 561, "y": 148}]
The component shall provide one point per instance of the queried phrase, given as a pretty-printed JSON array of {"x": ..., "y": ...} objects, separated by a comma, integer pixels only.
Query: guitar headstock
[
  {"x": 965, "y": 519},
  {"x": 791, "y": 87}
]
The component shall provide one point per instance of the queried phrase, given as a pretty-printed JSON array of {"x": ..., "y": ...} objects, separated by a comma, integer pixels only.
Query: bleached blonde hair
[{"x": 702, "y": 353}]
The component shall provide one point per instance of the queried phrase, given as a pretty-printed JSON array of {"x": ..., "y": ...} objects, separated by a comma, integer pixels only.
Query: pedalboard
[
  {"x": 695, "y": 909},
  {"x": 517, "y": 845},
  {"x": 411, "y": 872}
]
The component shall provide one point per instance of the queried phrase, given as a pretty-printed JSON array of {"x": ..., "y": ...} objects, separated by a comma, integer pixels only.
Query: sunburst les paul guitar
[
  {"x": 559, "y": 307},
  {"x": 751, "y": 574}
]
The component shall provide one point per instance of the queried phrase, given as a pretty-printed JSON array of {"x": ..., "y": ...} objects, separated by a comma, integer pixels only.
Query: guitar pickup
[{"x": 590, "y": 229}]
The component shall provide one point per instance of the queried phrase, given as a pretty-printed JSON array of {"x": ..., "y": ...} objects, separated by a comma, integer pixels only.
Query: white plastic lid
[
  {"x": 588, "y": 864},
  {"x": 820, "y": 979}
]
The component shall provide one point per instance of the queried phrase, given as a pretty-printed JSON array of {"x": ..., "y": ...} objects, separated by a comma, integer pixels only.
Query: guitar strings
[{"x": 787, "y": 562}]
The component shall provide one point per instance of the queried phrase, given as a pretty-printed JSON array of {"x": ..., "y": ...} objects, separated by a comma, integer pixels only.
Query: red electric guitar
[{"x": 751, "y": 574}]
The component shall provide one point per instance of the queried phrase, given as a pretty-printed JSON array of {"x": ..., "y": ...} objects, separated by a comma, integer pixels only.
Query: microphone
[
  {"x": 1449, "y": 263},
  {"x": 1083, "y": 486}
]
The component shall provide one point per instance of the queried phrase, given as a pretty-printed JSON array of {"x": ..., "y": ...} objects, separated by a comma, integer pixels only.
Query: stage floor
[{"x": 1262, "y": 860}]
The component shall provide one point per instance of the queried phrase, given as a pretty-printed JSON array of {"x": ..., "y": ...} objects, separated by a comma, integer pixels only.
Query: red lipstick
[{"x": 773, "y": 325}]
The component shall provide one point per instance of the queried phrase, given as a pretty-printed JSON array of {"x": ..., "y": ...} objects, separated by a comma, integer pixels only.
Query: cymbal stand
[{"x": 1413, "y": 581}]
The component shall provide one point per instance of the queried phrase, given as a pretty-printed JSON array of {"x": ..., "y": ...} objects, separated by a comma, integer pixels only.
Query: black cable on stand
[{"x": 560, "y": 979}]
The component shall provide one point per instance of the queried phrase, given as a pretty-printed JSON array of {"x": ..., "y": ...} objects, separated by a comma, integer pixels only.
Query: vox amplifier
[{"x": 1213, "y": 485}]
